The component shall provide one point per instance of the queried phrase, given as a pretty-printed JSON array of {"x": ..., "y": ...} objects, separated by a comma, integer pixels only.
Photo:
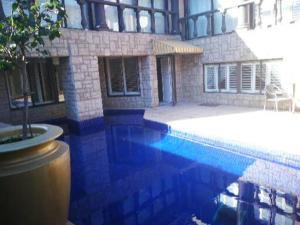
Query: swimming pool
[{"x": 131, "y": 174}]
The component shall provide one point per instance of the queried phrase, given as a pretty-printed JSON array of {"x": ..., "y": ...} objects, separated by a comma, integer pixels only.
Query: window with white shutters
[
  {"x": 227, "y": 78},
  {"x": 123, "y": 76},
  {"x": 211, "y": 78},
  {"x": 221, "y": 78},
  {"x": 253, "y": 76}
]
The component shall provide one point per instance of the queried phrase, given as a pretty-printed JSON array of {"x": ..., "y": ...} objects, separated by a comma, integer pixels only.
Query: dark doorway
[{"x": 159, "y": 80}]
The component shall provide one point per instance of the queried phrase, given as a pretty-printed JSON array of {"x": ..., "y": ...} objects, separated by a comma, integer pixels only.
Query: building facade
[{"x": 211, "y": 53}]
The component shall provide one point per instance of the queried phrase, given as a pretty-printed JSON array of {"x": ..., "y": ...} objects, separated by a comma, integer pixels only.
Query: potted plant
[{"x": 34, "y": 167}]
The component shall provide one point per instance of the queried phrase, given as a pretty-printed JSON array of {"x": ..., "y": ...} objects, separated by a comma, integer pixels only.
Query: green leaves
[{"x": 26, "y": 28}]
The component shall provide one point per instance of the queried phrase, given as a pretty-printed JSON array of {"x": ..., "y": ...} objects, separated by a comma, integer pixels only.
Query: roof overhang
[{"x": 165, "y": 47}]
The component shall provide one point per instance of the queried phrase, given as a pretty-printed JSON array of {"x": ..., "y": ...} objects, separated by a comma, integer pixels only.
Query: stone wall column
[
  {"x": 149, "y": 81},
  {"x": 82, "y": 88}
]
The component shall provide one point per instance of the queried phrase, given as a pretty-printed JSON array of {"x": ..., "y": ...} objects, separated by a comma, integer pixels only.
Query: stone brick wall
[
  {"x": 280, "y": 42},
  {"x": 79, "y": 51},
  {"x": 84, "y": 49}
]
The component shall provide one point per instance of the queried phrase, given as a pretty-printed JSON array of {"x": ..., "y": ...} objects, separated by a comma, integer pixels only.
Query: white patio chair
[{"x": 276, "y": 95}]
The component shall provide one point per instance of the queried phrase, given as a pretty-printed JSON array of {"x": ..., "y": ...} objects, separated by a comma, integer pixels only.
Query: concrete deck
[{"x": 277, "y": 133}]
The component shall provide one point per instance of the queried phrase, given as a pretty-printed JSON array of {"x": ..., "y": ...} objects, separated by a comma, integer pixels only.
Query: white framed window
[
  {"x": 252, "y": 77},
  {"x": 221, "y": 78},
  {"x": 228, "y": 78},
  {"x": 123, "y": 76},
  {"x": 255, "y": 76}
]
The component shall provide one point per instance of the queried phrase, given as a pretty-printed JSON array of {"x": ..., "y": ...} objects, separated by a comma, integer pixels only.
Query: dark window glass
[
  {"x": 45, "y": 83},
  {"x": 116, "y": 76},
  {"x": 123, "y": 76},
  {"x": 132, "y": 74}
]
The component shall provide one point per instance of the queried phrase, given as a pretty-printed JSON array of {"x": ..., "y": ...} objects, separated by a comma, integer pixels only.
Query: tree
[{"x": 23, "y": 33}]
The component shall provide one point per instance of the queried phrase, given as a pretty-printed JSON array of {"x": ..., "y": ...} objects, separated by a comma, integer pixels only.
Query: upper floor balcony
[
  {"x": 204, "y": 18},
  {"x": 147, "y": 16},
  {"x": 199, "y": 18}
]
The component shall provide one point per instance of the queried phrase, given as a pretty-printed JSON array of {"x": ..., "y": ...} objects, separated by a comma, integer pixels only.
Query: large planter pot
[{"x": 34, "y": 178}]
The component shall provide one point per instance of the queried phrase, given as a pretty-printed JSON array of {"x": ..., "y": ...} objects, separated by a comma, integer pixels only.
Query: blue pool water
[{"x": 129, "y": 174}]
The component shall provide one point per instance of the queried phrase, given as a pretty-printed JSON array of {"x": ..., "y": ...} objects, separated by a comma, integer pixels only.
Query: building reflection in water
[{"x": 116, "y": 180}]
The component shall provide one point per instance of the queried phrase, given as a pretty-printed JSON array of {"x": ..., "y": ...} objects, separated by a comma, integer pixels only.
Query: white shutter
[
  {"x": 247, "y": 77},
  {"x": 260, "y": 76},
  {"x": 232, "y": 77},
  {"x": 228, "y": 78},
  {"x": 223, "y": 79},
  {"x": 211, "y": 78}
]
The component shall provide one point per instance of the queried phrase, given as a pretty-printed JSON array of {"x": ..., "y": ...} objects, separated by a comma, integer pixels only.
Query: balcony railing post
[
  {"x": 166, "y": 14},
  {"x": 121, "y": 18},
  {"x": 209, "y": 24},
  {"x": 152, "y": 14},
  {"x": 175, "y": 16},
  {"x": 83, "y": 11},
  {"x": 138, "y": 24},
  {"x": 152, "y": 21},
  {"x": 223, "y": 28},
  {"x": 100, "y": 16},
  {"x": 195, "y": 33}
]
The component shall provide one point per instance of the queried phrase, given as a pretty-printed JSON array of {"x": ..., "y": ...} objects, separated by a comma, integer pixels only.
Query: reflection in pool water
[{"x": 128, "y": 174}]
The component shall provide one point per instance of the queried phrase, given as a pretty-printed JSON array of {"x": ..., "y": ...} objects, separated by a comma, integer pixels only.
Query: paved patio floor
[{"x": 276, "y": 132}]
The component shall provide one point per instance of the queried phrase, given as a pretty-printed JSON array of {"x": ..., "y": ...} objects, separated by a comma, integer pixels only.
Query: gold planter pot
[{"x": 34, "y": 178}]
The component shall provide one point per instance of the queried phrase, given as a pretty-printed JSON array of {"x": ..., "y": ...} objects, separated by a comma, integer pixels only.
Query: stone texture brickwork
[
  {"x": 79, "y": 51},
  {"x": 83, "y": 87},
  {"x": 280, "y": 42}
]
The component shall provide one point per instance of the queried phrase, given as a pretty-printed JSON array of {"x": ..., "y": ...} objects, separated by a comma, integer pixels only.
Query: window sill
[
  {"x": 37, "y": 106},
  {"x": 124, "y": 96}
]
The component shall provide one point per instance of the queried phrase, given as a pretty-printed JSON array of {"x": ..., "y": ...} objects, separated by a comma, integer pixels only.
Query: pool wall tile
[
  {"x": 239, "y": 148},
  {"x": 86, "y": 126}
]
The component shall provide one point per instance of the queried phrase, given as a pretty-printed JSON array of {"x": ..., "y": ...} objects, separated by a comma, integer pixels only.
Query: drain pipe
[{"x": 174, "y": 94}]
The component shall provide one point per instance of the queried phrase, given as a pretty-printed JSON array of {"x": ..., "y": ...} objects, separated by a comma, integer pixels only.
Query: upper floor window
[
  {"x": 74, "y": 14},
  {"x": 123, "y": 76},
  {"x": 136, "y": 16},
  {"x": 45, "y": 82}
]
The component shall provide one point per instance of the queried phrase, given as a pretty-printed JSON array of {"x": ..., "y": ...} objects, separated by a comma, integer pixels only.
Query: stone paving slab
[
  {"x": 274, "y": 135},
  {"x": 258, "y": 131}
]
